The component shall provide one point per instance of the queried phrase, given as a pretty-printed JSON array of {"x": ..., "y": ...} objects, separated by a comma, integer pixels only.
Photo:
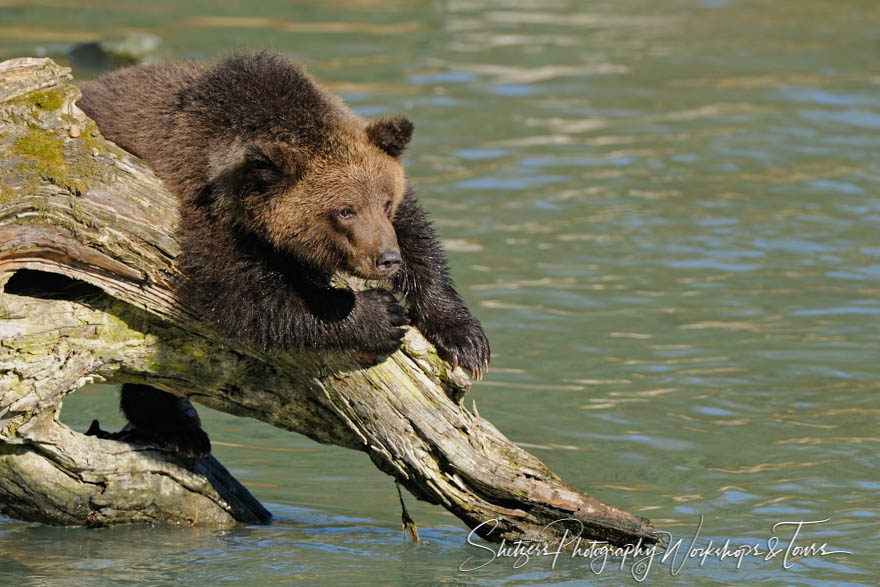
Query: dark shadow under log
[{"x": 72, "y": 204}]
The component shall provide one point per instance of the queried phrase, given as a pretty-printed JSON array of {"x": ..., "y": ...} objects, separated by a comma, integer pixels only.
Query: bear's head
[{"x": 330, "y": 202}]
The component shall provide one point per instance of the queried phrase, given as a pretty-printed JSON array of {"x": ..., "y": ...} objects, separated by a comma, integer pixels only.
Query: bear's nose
[{"x": 389, "y": 261}]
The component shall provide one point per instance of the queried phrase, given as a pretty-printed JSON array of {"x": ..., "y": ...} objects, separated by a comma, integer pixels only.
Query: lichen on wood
[{"x": 87, "y": 273}]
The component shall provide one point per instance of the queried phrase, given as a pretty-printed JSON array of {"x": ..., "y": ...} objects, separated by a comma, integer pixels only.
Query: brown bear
[{"x": 280, "y": 185}]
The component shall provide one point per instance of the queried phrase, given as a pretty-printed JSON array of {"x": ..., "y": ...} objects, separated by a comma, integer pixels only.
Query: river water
[{"x": 665, "y": 214}]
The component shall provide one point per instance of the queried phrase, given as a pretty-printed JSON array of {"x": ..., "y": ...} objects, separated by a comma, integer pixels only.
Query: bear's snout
[{"x": 389, "y": 261}]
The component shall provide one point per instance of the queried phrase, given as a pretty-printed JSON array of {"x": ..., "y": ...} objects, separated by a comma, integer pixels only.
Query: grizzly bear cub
[{"x": 280, "y": 185}]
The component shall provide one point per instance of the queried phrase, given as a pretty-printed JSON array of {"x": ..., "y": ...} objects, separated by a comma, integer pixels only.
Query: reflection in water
[{"x": 665, "y": 219}]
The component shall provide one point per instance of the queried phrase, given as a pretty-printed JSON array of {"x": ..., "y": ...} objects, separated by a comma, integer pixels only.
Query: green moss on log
[
  {"x": 67, "y": 164},
  {"x": 7, "y": 193},
  {"x": 48, "y": 100},
  {"x": 95, "y": 143},
  {"x": 45, "y": 154}
]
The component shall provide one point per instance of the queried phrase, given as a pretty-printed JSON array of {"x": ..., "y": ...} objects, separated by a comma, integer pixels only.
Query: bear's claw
[{"x": 462, "y": 345}]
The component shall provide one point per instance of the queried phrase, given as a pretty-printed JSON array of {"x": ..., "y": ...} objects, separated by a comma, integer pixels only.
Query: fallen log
[{"x": 87, "y": 267}]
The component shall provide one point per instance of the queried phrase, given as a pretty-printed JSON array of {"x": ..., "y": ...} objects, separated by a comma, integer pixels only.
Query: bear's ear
[
  {"x": 256, "y": 169},
  {"x": 391, "y": 134},
  {"x": 261, "y": 166}
]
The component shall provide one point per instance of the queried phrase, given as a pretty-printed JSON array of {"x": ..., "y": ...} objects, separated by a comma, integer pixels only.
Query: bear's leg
[
  {"x": 166, "y": 419},
  {"x": 435, "y": 308}
]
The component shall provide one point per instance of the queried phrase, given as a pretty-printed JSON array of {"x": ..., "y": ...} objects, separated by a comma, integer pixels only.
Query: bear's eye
[
  {"x": 346, "y": 213},
  {"x": 388, "y": 207}
]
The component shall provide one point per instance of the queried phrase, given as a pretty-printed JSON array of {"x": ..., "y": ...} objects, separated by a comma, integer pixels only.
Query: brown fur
[
  {"x": 295, "y": 178},
  {"x": 280, "y": 184}
]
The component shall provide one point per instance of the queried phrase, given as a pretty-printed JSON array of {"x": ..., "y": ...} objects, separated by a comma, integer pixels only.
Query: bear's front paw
[
  {"x": 462, "y": 344},
  {"x": 379, "y": 328}
]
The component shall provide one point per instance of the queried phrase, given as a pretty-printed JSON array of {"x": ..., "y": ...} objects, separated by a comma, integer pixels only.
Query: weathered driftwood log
[{"x": 87, "y": 253}]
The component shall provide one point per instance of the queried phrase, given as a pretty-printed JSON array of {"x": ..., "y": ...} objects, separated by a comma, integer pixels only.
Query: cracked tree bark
[{"x": 87, "y": 253}]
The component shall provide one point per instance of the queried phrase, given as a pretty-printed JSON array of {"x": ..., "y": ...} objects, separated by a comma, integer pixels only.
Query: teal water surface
[{"x": 664, "y": 213}]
